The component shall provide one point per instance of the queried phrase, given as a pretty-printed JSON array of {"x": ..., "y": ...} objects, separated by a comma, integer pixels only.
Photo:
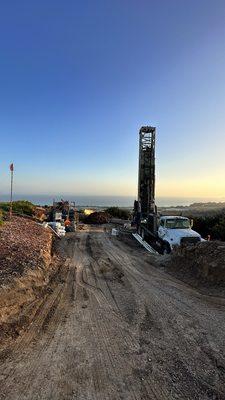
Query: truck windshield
[{"x": 178, "y": 223}]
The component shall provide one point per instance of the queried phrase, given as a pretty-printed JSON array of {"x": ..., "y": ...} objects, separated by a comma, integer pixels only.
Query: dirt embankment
[
  {"x": 202, "y": 265},
  {"x": 26, "y": 268}
]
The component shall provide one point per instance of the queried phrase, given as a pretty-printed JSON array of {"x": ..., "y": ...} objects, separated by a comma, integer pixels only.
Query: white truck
[
  {"x": 171, "y": 231},
  {"x": 175, "y": 231}
]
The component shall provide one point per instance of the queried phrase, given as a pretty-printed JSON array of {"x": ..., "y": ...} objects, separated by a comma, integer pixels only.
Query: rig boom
[{"x": 146, "y": 175}]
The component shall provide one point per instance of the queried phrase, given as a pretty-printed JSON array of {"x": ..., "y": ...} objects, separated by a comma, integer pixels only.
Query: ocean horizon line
[{"x": 109, "y": 201}]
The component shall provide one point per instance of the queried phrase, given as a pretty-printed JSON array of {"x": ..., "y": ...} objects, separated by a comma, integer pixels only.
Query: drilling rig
[
  {"x": 162, "y": 232},
  {"x": 146, "y": 178},
  {"x": 145, "y": 208}
]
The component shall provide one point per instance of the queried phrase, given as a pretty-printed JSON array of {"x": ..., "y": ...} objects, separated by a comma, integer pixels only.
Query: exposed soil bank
[
  {"x": 201, "y": 266},
  {"x": 24, "y": 245},
  {"x": 206, "y": 260},
  {"x": 26, "y": 268}
]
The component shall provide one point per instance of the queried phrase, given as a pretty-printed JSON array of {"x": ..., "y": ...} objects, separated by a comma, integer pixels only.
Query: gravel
[{"x": 23, "y": 244}]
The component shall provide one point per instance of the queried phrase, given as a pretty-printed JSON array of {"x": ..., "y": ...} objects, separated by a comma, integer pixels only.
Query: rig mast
[{"x": 146, "y": 174}]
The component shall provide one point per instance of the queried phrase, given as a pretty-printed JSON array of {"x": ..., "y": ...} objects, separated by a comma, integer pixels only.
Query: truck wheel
[{"x": 166, "y": 248}]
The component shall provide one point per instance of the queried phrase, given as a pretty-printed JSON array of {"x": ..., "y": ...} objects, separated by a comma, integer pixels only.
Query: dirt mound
[
  {"x": 100, "y": 217},
  {"x": 26, "y": 268},
  {"x": 23, "y": 244},
  {"x": 205, "y": 262}
]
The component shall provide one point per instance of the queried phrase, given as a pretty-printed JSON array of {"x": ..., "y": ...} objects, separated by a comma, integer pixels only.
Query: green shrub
[
  {"x": 211, "y": 225},
  {"x": 19, "y": 207},
  {"x": 1, "y": 218}
]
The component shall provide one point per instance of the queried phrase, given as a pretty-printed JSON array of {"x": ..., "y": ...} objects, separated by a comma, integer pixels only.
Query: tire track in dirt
[
  {"x": 186, "y": 341},
  {"x": 116, "y": 328},
  {"x": 45, "y": 322},
  {"x": 113, "y": 360},
  {"x": 149, "y": 392}
]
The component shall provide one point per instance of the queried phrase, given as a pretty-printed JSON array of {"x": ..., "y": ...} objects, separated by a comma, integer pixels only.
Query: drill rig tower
[
  {"x": 146, "y": 174},
  {"x": 161, "y": 232}
]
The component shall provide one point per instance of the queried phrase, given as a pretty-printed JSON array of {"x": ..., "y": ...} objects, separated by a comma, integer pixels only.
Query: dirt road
[{"x": 116, "y": 327}]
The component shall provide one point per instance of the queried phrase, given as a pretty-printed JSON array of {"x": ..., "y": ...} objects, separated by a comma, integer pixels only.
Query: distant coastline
[{"x": 108, "y": 201}]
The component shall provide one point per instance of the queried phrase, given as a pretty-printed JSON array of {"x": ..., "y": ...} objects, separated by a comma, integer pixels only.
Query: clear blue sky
[{"x": 79, "y": 78}]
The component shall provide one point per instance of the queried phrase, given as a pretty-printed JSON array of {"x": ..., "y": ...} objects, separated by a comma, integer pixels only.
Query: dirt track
[{"x": 118, "y": 328}]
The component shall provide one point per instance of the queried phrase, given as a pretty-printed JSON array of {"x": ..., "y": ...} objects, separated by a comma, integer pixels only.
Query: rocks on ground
[
  {"x": 23, "y": 244},
  {"x": 26, "y": 270}
]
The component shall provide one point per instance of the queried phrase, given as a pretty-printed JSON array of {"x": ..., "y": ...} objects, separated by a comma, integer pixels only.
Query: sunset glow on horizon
[{"x": 78, "y": 82}]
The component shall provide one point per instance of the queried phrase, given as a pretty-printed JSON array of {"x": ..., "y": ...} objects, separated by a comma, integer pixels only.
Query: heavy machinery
[
  {"x": 163, "y": 233},
  {"x": 64, "y": 212},
  {"x": 144, "y": 207}
]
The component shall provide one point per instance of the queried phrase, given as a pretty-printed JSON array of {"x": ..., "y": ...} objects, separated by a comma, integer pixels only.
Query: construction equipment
[
  {"x": 64, "y": 210},
  {"x": 146, "y": 175},
  {"x": 144, "y": 207},
  {"x": 163, "y": 233}
]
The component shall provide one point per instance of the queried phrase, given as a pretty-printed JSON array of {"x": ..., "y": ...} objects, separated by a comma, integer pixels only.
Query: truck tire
[{"x": 166, "y": 248}]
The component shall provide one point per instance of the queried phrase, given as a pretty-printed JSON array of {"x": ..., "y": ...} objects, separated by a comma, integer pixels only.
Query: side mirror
[{"x": 191, "y": 223}]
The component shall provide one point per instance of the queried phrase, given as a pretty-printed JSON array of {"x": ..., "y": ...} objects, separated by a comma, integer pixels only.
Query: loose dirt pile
[
  {"x": 100, "y": 217},
  {"x": 26, "y": 268},
  {"x": 23, "y": 244},
  {"x": 203, "y": 263}
]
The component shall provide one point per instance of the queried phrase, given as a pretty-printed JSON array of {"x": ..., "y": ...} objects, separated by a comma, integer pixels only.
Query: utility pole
[{"x": 11, "y": 167}]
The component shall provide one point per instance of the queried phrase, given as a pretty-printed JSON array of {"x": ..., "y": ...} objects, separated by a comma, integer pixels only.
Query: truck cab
[{"x": 175, "y": 231}]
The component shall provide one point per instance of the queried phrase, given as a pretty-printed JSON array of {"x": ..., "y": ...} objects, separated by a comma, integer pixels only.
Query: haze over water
[{"x": 107, "y": 201}]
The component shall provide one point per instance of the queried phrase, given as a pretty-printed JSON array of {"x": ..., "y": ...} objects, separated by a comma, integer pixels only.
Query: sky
[{"x": 79, "y": 78}]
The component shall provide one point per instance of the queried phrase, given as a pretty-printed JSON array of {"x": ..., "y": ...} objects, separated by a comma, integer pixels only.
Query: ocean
[{"x": 108, "y": 201}]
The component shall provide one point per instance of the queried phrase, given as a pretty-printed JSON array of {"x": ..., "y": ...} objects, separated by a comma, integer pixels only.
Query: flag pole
[{"x": 11, "y": 192}]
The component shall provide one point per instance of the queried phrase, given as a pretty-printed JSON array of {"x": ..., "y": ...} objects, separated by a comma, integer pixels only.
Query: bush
[
  {"x": 19, "y": 207},
  {"x": 211, "y": 225},
  {"x": 117, "y": 212},
  {"x": 1, "y": 218}
]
